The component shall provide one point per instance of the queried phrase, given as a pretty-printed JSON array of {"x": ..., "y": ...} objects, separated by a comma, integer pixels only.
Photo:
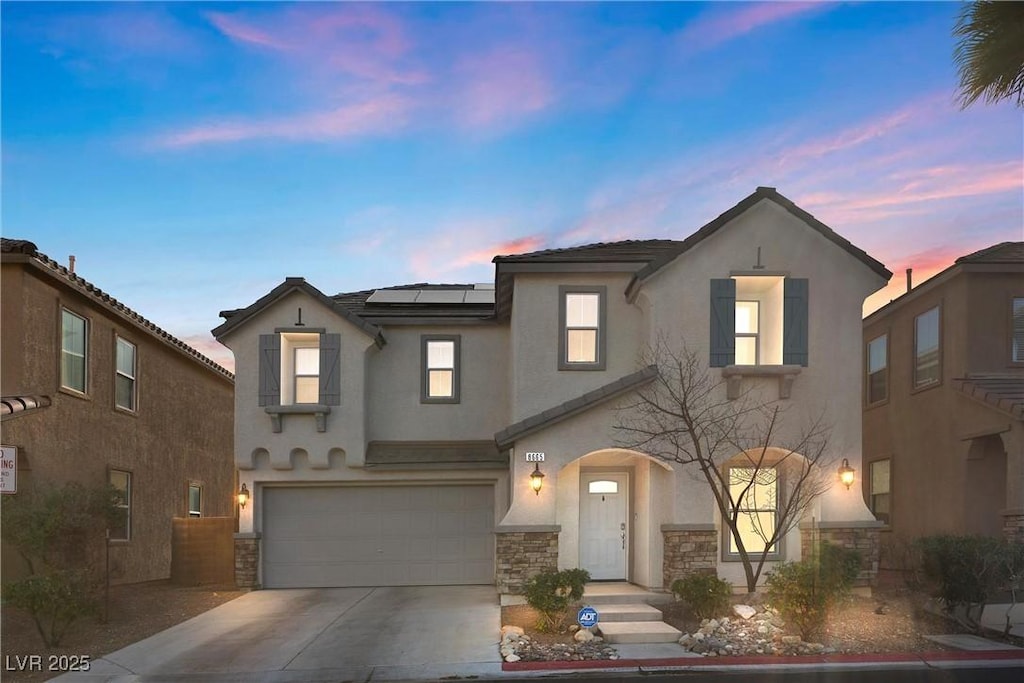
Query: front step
[
  {"x": 620, "y": 593},
  {"x": 626, "y": 612},
  {"x": 639, "y": 632}
]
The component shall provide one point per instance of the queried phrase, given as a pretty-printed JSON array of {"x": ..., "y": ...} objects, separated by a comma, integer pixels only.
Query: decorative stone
[
  {"x": 790, "y": 640},
  {"x": 512, "y": 658},
  {"x": 744, "y": 611},
  {"x": 583, "y": 636},
  {"x": 518, "y": 630},
  {"x": 574, "y": 628}
]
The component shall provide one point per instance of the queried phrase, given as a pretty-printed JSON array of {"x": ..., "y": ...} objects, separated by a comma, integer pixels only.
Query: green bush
[
  {"x": 55, "y": 601},
  {"x": 805, "y": 592},
  {"x": 706, "y": 595},
  {"x": 552, "y": 593}
]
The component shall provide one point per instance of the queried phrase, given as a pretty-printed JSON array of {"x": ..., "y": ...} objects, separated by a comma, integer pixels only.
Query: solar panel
[
  {"x": 480, "y": 297},
  {"x": 484, "y": 285},
  {"x": 393, "y": 296},
  {"x": 441, "y": 296}
]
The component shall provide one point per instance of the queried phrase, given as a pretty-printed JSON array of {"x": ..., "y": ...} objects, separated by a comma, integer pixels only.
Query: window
[
  {"x": 307, "y": 374},
  {"x": 879, "y": 495},
  {"x": 877, "y": 369},
  {"x": 603, "y": 486},
  {"x": 758, "y": 507},
  {"x": 124, "y": 376},
  {"x": 747, "y": 332},
  {"x": 73, "y": 351},
  {"x": 1017, "y": 344},
  {"x": 582, "y": 318},
  {"x": 122, "y": 483},
  {"x": 926, "y": 348},
  {"x": 195, "y": 500},
  {"x": 441, "y": 359}
]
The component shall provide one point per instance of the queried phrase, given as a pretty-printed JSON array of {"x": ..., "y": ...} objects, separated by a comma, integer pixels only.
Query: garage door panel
[{"x": 378, "y": 536}]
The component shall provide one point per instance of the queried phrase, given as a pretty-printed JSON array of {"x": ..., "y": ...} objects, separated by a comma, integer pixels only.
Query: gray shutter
[
  {"x": 794, "y": 321},
  {"x": 330, "y": 373},
  {"x": 270, "y": 370},
  {"x": 723, "y": 322}
]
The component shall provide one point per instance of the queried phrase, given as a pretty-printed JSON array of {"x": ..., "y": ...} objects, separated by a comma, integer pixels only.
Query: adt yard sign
[
  {"x": 9, "y": 470},
  {"x": 587, "y": 617}
]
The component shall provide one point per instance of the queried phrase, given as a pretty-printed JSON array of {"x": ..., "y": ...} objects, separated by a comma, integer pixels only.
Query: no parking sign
[{"x": 587, "y": 617}]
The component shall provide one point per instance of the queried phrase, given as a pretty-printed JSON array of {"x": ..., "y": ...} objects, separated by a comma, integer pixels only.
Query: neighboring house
[
  {"x": 387, "y": 436},
  {"x": 94, "y": 393},
  {"x": 944, "y": 402}
]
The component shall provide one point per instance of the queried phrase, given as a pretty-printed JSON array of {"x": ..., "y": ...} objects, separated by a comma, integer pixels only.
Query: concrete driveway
[{"x": 323, "y": 634}]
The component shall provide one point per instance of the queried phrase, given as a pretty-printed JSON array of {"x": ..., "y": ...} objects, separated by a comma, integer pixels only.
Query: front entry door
[{"x": 604, "y": 524}]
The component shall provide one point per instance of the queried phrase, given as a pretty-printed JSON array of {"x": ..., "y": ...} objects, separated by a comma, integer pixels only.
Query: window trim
[
  {"x": 1009, "y": 349},
  {"x": 456, "y": 396},
  {"x": 727, "y": 555},
  {"x": 868, "y": 403},
  {"x": 871, "y": 495},
  {"x": 134, "y": 377},
  {"x": 914, "y": 386},
  {"x": 602, "y": 329},
  {"x": 84, "y": 391},
  {"x": 188, "y": 499},
  {"x": 128, "y": 506}
]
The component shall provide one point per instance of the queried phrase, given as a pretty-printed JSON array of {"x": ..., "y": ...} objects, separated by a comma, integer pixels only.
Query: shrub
[
  {"x": 55, "y": 601},
  {"x": 805, "y": 592},
  {"x": 705, "y": 595},
  {"x": 552, "y": 593}
]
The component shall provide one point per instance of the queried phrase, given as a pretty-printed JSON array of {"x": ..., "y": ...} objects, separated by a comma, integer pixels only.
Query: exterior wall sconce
[
  {"x": 536, "y": 479},
  {"x": 846, "y": 473},
  {"x": 243, "y": 496}
]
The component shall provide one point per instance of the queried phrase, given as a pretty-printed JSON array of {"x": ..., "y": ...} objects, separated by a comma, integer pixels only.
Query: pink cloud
[
  {"x": 505, "y": 83},
  {"x": 720, "y": 26},
  {"x": 519, "y": 245},
  {"x": 372, "y": 117},
  {"x": 212, "y": 349},
  {"x": 242, "y": 32}
]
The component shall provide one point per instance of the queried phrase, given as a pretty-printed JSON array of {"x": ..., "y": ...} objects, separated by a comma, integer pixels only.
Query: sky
[{"x": 193, "y": 155}]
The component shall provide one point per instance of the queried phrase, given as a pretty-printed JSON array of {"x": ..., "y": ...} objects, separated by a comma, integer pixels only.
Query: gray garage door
[{"x": 377, "y": 536}]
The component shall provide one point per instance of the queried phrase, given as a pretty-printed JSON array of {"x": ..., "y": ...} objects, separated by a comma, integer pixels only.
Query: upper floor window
[
  {"x": 582, "y": 328},
  {"x": 299, "y": 368},
  {"x": 307, "y": 374},
  {"x": 441, "y": 361},
  {"x": 1017, "y": 327},
  {"x": 926, "y": 348},
  {"x": 879, "y": 491},
  {"x": 877, "y": 369},
  {"x": 759, "y": 320},
  {"x": 121, "y": 481},
  {"x": 74, "y": 351},
  {"x": 195, "y": 500},
  {"x": 124, "y": 375}
]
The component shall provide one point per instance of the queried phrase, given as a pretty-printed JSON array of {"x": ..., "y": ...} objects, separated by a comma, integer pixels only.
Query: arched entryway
[{"x": 985, "y": 486}]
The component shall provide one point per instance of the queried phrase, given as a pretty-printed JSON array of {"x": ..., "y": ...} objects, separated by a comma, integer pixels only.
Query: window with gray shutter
[
  {"x": 723, "y": 322},
  {"x": 1017, "y": 343},
  {"x": 794, "y": 321},
  {"x": 330, "y": 373},
  {"x": 270, "y": 369}
]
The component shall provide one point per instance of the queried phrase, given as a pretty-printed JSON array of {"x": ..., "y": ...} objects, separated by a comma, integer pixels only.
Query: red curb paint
[{"x": 881, "y": 658}]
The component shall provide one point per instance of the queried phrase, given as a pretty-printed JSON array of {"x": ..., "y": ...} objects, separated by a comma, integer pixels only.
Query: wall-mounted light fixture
[
  {"x": 536, "y": 478},
  {"x": 243, "y": 496},
  {"x": 846, "y": 473}
]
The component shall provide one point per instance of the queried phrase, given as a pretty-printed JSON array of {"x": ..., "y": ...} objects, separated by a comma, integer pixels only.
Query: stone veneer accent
[
  {"x": 688, "y": 548},
  {"x": 865, "y": 539},
  {"x": 247, "y": 560},
  {"x": 522, "y": 552},
  {"x": 1013, "y": 525}
]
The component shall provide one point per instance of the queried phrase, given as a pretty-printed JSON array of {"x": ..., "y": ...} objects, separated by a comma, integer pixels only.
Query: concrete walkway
[{"x": 337, "y": 634}]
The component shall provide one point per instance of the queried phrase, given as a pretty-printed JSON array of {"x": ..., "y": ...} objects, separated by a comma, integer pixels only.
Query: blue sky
[{"x": 193, "y": 155}]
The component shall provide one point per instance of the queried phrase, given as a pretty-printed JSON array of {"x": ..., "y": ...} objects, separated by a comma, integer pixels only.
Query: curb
[{"x": 769, "y": 660}]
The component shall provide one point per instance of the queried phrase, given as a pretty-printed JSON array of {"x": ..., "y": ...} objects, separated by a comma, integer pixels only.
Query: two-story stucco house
[{"x": 388, "y": 437}]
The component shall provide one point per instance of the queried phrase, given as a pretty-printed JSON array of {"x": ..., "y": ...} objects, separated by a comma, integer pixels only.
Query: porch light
[
  {"x": 536, "y": 479},
  {"x": 846, "y": 473},
  {"x": 243, "y": 496}
]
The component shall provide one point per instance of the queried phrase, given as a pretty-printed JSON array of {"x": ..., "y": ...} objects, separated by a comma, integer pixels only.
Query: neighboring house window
[
  {"x": 122, "y": 483},
  {"x": 877, "y": 369},
  {"x": 73, "y": 351},
  {"x": 441, "y": 371},
  {"x": 758, "y": 507},
  {"x": 195, "y": 500},
  {"x": 747, "y": 337},
  {"x": 926, "y": 348},
  {"x": 307, "y": 374},
  {"x": 881, "y": 505},
  {"x": 1017, "y": 350},
  {"x": 582, "y": 328},
  {"x": 299, "y": 368},
  {"x": 758, "y": 320},
  {"x": 124, "y": 376}
]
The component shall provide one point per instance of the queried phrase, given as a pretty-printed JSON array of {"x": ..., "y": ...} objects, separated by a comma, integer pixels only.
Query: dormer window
[
  {"x": 758, "y": 320},
  {"x": 299, "y": 373},
  {"x": 307, "y": 374}
]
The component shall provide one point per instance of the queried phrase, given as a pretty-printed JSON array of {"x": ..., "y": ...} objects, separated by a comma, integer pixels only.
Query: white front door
[{"x": 604, "y": 524}]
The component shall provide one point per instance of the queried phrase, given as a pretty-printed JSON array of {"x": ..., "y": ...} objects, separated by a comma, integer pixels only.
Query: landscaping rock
[
  {"x": 518, "y": 630},
  {"x": 583, "y": 636},
  {"x": 744, "y": 611},
  {"x": 512, "y": 658}
]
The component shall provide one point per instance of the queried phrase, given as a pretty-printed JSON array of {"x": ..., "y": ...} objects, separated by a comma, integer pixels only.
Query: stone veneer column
[
  {"x": 861, "y": 536},
  {"x": 1013, "y": 525},
  {"x": 247, "y": 560},
  {"x": 522, "y": 552},
  {"x": 688, "y": 548}
]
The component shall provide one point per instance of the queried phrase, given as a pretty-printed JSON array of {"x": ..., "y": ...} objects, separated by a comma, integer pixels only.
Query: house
[
  {"x": 94, "y": 393},
  {"x": 944, "y": 402},
  {"x": 388, "y": 437}
]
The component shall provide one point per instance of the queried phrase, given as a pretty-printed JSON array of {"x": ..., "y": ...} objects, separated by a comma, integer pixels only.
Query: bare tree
[{"x": 736, "y": 446}]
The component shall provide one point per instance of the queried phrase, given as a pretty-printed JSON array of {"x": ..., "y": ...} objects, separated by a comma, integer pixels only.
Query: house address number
[{"x": 534, "y": 457}]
